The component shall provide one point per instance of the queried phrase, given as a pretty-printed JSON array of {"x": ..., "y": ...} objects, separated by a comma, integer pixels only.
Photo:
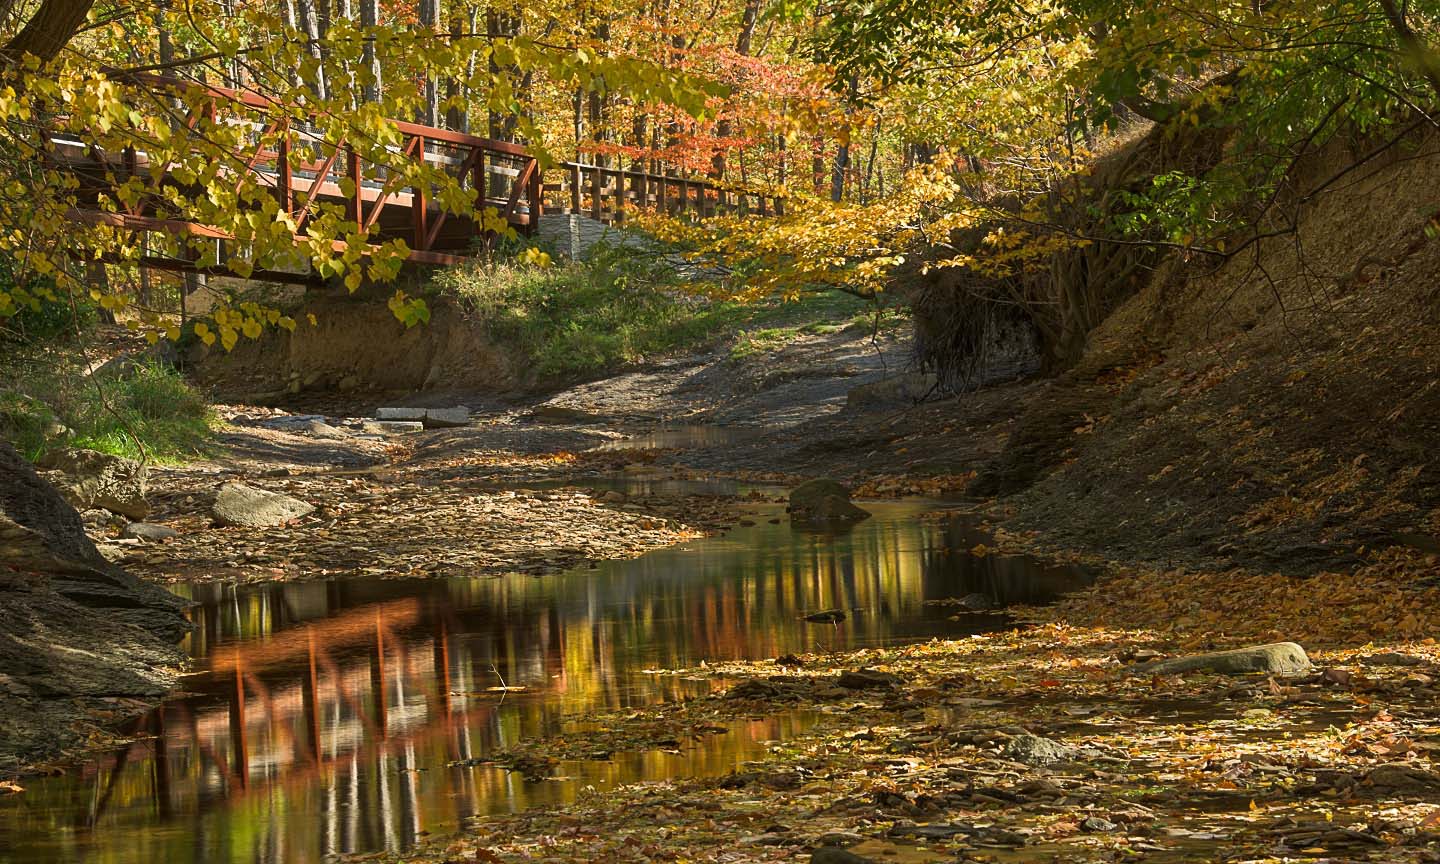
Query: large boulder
[
  {"x": 897, "y": 391},
  {"x": 39, "y": 531},
  {"x": 245, "y": 506},
  {"x": 94, "y": 479},
  {"x": 1279, "y": 658},
  {"x": 42, "y": 534},
  {"x": 823, "y": 501},
  {"x": 1034, "y": 750}
]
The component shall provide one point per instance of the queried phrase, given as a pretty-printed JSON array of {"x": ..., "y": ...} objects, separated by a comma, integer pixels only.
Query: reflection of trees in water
[{"x": 408, "y": 692}]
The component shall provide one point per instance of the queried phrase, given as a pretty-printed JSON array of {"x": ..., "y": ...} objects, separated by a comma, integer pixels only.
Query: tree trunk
[
  {"x": 345, "y": 12},
  {"x": 369, "y": 19},
  {"x": 724, "y": 128},
  {"x": 429, "y": 114},
  {"x": 1420, "y": 53},
  {"x": 502, "y": 125},
  {"x": 49, "y": 30},
  {"x": 310, "y": 23}
]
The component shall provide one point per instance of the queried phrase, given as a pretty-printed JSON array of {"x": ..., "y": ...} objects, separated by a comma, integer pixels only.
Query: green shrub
[
  {"x": 153, "y": 403},
  {"x": 60, "y": 407}
]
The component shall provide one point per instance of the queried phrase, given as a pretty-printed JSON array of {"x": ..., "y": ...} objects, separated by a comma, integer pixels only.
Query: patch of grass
[
  {"x": 154, "y": 403},
  {"x": 756, "y": 342},
  {"x": 574, "y": 321},
  {"x": 59, "y": 407}
]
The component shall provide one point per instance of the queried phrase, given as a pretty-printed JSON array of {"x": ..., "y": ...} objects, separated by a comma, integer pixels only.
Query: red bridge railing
[{"x": 302, "y": 169}]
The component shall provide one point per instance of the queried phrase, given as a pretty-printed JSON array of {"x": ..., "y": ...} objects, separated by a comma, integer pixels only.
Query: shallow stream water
[{"x": 324, "y": 717}]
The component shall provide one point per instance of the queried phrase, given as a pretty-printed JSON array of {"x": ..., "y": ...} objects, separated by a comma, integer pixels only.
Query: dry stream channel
[{"x": 333, "y": 717}]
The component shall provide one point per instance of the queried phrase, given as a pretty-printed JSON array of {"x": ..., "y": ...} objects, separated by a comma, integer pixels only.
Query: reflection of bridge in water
[{"x": 327, "y": 712}]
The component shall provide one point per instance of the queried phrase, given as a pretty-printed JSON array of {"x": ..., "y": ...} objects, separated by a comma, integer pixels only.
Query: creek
[{"x": 326, "y": 717}]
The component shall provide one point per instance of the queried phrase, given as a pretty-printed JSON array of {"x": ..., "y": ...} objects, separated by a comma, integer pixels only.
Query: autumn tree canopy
[{"x": 890, "y": 125}]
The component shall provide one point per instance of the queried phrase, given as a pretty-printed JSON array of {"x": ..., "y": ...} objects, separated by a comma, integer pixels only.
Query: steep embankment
[
  {"x": 1276, "y": 411},
  {"x": 356, "y": 343}
]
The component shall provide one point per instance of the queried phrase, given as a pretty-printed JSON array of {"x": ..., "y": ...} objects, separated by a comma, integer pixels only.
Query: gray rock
[
  {"x": 392, "y": 427},
  {"x": 447, "y": 418},
  {"x": 240, "y": 505},
  {"x": 836, "y": 855},
  {"x": 565, "y": 414},
  {"x": 839, "y": 838},
  {"x": 1097, "y": 825},
  {"x": 1392, "y": 658},
  {"x": 1279, "y": 658},
  {"x": 93, "y": 479},
  {"x": 976, "y": 603},
  {"x": 149, "y": 532},
  {"x": 41, "y": 533},
  {"x": 867, "y": 679},
  {"x": 897, "y": 391},
  {"x": 933, "y": 831},
  {"x": 823, "y": 500},
  {"x": 321, "y": 429},
  {"x": 399, "y": 413},
  {"x": 1034, "y": 750},
  {"x": 289, "y": 422},
  {"x": 1398, "y": 776}
]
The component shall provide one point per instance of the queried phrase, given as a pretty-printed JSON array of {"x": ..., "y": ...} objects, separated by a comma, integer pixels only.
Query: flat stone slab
[
  {"x": 392, "y": 427},
  {"x": 1279, "y": 658},
  {"x": 239, "y": 505},
  {"x": 446, "y": 418},
  {"x": 400, "y": 413}
]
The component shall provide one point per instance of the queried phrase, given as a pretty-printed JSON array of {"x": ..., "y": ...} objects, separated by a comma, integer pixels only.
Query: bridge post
[
  {"x": 596, "y": 184},
  {"x": 284, "y": 176},
  {"x": 661, "y": 205},
  {"x": 355, "y": 209},
  {"x": 419, "y": 200},
  {"x": 537, "y": 196},
  {"x": 477, "y": 180},
  {"x": 619, "y": 196},
  {"x": 575, "y": 190}
]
